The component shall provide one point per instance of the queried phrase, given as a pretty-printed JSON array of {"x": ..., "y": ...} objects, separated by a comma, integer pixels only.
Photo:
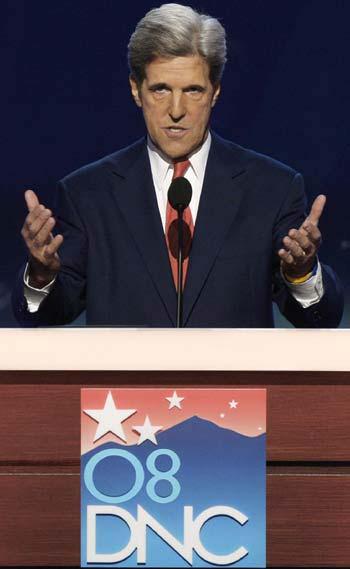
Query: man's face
[{"x": 176, "y": 98}]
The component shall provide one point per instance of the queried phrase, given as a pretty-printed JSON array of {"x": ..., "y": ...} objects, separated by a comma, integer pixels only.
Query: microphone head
[{"x": 180, "y": 193}]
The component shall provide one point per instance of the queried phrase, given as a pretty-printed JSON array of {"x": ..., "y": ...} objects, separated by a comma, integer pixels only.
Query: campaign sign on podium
[{"x": 173, "y": 477}]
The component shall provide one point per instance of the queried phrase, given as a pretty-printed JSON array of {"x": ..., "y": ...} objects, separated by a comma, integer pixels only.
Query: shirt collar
[{"x": 199, "y": 158}]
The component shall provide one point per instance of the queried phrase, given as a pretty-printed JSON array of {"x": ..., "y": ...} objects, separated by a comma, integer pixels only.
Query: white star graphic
[
  {"x": 147, "y": 431},
  {"x": 233, "y": 404},
  {"x": 110, "y": 419},
  {"x": 175, "y": 401}
]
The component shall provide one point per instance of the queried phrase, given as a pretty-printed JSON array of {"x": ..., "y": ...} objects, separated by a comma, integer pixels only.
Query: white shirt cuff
[
  {"x": 35, "y": 296},
  {"x": 310, "y": 292}
]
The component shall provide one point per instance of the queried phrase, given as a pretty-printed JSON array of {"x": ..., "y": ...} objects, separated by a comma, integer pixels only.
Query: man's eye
[
  {"x": 194, "y": 91},
  {"x": 160, "y": 90}
]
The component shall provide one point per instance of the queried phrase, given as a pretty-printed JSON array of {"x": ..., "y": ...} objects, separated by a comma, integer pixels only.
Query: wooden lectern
[{"x": 307, "y": 375}]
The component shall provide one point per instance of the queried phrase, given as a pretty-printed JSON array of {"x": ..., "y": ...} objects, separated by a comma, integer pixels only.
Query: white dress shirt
[
  {"x": 162, "y": 169},
  {"x": 162, "y": 173}
]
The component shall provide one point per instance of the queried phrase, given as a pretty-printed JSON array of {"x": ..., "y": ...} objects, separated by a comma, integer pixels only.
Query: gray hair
[{"x": 173, "y": 30}]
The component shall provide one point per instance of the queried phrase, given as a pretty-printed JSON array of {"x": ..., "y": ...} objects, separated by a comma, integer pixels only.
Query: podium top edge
[{"x": 91, "y": 348}]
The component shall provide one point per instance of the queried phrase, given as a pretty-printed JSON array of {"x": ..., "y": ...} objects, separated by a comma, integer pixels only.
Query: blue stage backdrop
[{"x": 66, "y": 100}]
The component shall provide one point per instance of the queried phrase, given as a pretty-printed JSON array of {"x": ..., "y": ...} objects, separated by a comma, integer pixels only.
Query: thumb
[
  {"x": 31, "y": 199},
  {"x": 316, "y": 210}
]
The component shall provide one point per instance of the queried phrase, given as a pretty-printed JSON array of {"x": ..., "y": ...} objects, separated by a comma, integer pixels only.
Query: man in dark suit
[{"x": 251, "y": 243}]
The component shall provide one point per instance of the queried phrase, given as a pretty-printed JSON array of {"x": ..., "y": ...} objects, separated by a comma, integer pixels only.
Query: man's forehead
[{"x": 191, "y": 68}]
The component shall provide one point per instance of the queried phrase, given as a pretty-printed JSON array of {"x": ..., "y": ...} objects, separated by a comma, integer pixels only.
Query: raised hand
[
  {"x": 301, "y": 245},
  {"x": 44, "y": 262}
]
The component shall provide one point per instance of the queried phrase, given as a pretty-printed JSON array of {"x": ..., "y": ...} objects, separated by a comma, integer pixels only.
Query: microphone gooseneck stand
[
  {"x": 179, "y": 196},
  {"x": 179, "y": 268}
]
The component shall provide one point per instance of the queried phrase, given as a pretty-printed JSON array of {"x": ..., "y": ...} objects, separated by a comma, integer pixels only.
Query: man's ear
[
  {"x": 216, "y": 94},
  {"x": 135, "y": 91}
]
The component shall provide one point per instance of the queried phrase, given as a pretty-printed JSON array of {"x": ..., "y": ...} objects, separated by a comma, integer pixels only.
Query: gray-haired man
[{"x": 251, "y": 242}]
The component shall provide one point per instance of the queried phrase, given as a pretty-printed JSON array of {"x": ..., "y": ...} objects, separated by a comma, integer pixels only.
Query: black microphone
[{"x": 180, "y": 194}]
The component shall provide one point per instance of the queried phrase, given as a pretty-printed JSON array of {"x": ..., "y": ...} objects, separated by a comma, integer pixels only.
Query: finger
[
  {"x": 36, "y": 241},
  {"x": 44, "y": 236},
  {"x": 316, "y": 210},
  {"x": 54, "y": 245},
  {"x": 313, "y": 234},
  {"x": 35, "y": 226},
  {"x": 302, "y": 238},
  {"x": 31, "y": 199},
  {"x": 294, "y": 249},
  {"x": 32, "y": 215},
  {"x": 35, "y": 222},
  {"x": 286, "y": 257}
]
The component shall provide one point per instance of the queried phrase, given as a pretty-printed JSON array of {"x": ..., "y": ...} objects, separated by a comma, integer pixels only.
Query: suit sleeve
[
  {"x": 67, "y": 298},
  {"x": 327, "y": 313}
]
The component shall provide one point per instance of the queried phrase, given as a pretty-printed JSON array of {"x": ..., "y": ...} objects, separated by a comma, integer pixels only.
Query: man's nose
[{"x": 177, "y": 108}]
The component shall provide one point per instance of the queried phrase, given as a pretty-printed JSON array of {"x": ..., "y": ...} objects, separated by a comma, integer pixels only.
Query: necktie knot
[{"x": 180, "y": 168}]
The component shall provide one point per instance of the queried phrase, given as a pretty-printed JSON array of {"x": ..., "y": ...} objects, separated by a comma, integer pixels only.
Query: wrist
[
  {"x": 39, "y": 278},
  {"x": 298, "y": 280},
  {"x": 39, "y": 282}
]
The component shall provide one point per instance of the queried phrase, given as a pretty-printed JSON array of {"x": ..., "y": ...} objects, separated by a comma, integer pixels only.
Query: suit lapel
[
  {"x": 219, "y": 203},
  {"x": 137, "y": 201}
]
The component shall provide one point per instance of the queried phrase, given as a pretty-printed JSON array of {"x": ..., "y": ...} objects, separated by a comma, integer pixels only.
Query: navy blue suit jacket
[{"x": 115, "y": 261}]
